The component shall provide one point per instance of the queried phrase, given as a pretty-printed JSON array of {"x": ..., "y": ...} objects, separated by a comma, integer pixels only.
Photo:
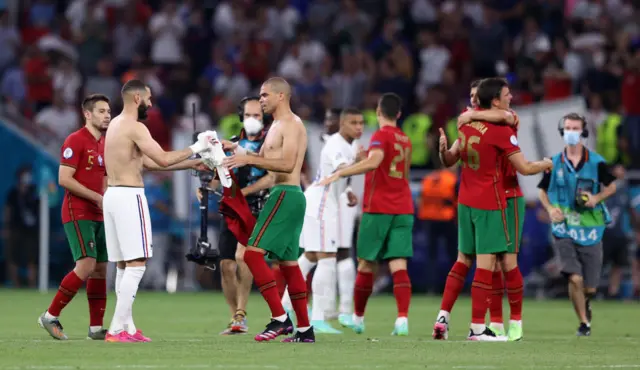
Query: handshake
[{"x": 209, "y": 147}]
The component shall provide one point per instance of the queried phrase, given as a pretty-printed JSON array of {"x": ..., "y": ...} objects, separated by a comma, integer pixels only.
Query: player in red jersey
[
  {"x": 482, "y": 220},
  {"x": 458, "y": 273},
  {"x": 386, "y": 228},
  {"x": 83, "y": 176}
]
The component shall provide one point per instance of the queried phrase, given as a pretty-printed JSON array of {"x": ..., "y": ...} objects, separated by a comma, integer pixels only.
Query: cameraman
[
  {"x": 254, "y": 182},
  {"x": 573, "y": 196}
]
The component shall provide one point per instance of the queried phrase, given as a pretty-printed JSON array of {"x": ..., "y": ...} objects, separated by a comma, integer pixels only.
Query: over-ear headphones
[
  {"x": 243, "y": 102},
  {"x": 574, "y": 117}
]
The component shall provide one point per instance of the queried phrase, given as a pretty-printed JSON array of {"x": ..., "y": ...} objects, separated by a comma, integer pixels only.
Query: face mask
[
  {"x": 252, "y": 126},
  {"x": 142, "y": 111},
  {"x": 26, "y": 178},
  {"x": 572, "y": 137}
]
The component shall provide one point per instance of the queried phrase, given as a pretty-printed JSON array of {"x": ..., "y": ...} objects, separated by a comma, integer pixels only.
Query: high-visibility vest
[
  {"x": 438, "y": 197},
  {"x": 452, "y": 130},
  {"x": 370, "y": 118},
  {"x": 230, "y": 125},
  {"x": 416, "y": 127},
  {"x": 607, "y": 138}
]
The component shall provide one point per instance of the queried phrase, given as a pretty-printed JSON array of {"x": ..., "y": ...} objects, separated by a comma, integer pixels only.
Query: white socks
[
  {"x": 346, "y": 283},
  {"x": 305, "y": 267},
  {"x": 126, "y": 290},
  {"x": 323, "y": 287},
  {"x": 119, "y": 275}
]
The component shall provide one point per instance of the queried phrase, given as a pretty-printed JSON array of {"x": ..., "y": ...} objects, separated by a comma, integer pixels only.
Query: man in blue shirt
[
  {"x": 254, "y": 182},
  {"x": 573, "y": 194}
]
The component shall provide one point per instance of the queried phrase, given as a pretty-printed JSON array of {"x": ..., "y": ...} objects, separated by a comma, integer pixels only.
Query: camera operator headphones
[
  {"x": 574, "y": 117},
  {"x": 243, "y": 102}
]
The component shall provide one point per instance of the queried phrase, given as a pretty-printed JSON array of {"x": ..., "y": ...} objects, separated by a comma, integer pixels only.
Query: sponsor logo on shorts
[
  {"x": 68, "y": 153},
  {"x": 92, "y": 245}
]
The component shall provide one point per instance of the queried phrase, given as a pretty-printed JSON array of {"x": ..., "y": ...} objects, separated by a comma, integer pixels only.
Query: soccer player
[
  {"x": 386, "y": 226},
  {"x": 320, "y": 233},
  {"x": 128, "y": 148},
  {"x": 573, "y": 195},
  {"x": 515, "y": 219},
  {"x": 482, "y": 223},
  {"x": 277, "y": 231},
  {"x": 82, "y": 175},
  {"x": 236, "y": 277}
]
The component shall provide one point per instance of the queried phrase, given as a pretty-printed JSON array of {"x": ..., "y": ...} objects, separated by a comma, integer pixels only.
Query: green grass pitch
[{"x": 185, "y": 326}]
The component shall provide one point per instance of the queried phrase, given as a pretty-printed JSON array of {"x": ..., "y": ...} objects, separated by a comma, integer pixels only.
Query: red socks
[
  {"x": 298, "y": 293},
  {"x": 402, "y": 291},
  {"x": 281, "y": 284},
  {"x": 362, "y": 291},
  {"x": 480, "y": 295},
  {"x": 97, "y": 297},
  {"x": 515, "y": 291},
  {"x": 495, "y": 309},
  {"x": 453, "y": 286},
  {"x": 265, "y": 280},
  {"x": 67, "y": 290}
]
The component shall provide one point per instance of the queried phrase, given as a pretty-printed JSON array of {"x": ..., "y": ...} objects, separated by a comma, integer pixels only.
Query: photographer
[
  {"x": 253, "y": 182},
  {"x": 573, "y": 196}
]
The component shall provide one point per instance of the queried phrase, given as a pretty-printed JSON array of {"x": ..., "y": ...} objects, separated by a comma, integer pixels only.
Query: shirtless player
[
  {"x": 128, "y": 148},
  {"x": 277, "y": 231}
]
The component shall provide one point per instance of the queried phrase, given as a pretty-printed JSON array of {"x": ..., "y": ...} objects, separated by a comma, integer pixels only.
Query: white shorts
[
  {"x": 127, "y": 224},
  {"x": 346, "y": 222},
  {"x": 319, "y": 235}
]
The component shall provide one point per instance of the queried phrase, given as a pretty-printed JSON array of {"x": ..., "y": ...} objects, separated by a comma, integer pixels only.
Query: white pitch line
[{"x": 309, "y": 366}]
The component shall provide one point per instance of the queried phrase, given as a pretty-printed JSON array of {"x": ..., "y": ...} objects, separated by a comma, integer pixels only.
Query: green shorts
[
  {"x": 385, "y": 237},
  {"x": 86, "y": 239},
  {"x": 515, "y": 222},
  {"x": 279, "y": 225},
  {"x": 481, "y": 231}
]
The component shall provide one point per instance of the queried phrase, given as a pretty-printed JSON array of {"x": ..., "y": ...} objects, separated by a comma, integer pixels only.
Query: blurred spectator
[
  {"x": 308, "y": 88},
  {"x": 167, "y": 29},
  {"x": 488, "y": 44},
  {"x": 286, "y": 17},
  {"x": 157, "y": 188},
  {"x": 230, "y": 83},
  {"x": 80, "y": 12},
  {"x": 9, "y": 40},
  {"x": 192, "y": 110},
  {"x": 14, "y": 84},
  {"x": 347, "y": 86},
  {"x": 66, "y": 80},
  {"x": 423, "y": 11},
  {"x": 291, "y": 65},
  {"x": 355, "y": 23},
  {"x": 311, "y": 51},
  {"x": 59, "y": 119},
  {"x": 20, "y": 229},
  {"x": 434, "y": 58},
  {"x": 321, "y": 16},
  {"x": 90, "y": 32},
  {"x": 39, "y": 86},
  {"x": 198, "y": 42},
  {"x": 103, "y": 82},
  {"x": 127, "y": 41}
]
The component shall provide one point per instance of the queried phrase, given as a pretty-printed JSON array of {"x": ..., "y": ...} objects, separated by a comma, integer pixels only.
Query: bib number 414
[{"x": 583, "y": 236}]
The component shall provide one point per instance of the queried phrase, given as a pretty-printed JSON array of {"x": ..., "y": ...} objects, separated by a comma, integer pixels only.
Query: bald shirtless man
[
  {"x": 277, "y": 231},
  {"x": 129, "y": 148}
]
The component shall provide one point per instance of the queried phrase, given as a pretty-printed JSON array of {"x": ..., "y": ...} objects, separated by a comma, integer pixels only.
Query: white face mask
[{"x": 252, "y": 126}]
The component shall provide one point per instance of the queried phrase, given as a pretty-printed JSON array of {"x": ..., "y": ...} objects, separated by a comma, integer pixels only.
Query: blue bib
[{"x": 583, "y": 225}]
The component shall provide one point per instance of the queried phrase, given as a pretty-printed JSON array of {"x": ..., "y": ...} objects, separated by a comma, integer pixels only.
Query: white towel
[{"x": 213, "y": 158}]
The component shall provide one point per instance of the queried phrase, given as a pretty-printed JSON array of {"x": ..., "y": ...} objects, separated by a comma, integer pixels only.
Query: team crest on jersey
[
  {"x": 100, "y": 160},
  {"x": 68, "y": 153},
  {"x": 514, "y": 140}
]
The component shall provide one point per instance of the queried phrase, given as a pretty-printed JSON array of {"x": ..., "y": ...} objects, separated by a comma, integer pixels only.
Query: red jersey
[
  {"x": 510, "y": 178},
  {"x": 386, "y": 189},
  {"x": 86, "y": 154},
  {"x": 483, "y": 147}
]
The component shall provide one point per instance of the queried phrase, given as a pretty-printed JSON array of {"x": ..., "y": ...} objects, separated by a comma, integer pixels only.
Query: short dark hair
[
  {"x": 349, "y": 110},
  {"x": 89, "y": 102},
  {"x": 133, "y": 85},
  {"x": 489, "y": 89},
  {"x": 574, "y": 117},
  {"x": 390, "y": 105},
  {"x": 475, "y": 83}
]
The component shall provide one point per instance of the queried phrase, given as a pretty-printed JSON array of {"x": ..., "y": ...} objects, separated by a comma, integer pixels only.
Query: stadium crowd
[{"x": 336, "y": 54}]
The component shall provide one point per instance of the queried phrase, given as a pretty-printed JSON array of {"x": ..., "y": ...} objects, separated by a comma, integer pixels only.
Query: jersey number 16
[{"x": 404, "y": 154}]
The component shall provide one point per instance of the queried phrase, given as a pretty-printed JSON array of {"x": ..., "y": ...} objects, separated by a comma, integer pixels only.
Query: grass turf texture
[{"x": 185, "y": 326}]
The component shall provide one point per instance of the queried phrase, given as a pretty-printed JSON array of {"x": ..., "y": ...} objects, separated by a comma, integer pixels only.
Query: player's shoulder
[
  {"x": 75, "y": 138},
  {"x": 596, "y": 157}
]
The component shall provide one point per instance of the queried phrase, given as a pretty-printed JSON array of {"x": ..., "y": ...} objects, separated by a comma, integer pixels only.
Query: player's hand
[
  {"x": 199, "y": 195},
  {"x": 362, "y": 154},
  {"x": 548, "y": 164},
  {"x": 464, "y": 118},
  {"x": 555, "y": 214},
  {"x": 443, "y": 144},
  {"x": 352, "y": 199},
  {"x": 329, "y": 179},
  {"x": 228, "y": 145},
  {"x": 203, "y": 142},
  {"x": 99, "y": 202},
  {"x": 235, "y": 161},
  {"x": 592, "y": 200}
]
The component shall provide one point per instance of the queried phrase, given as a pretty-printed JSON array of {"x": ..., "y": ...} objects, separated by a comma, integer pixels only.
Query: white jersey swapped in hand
[{"x": 320, "y": 232}]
